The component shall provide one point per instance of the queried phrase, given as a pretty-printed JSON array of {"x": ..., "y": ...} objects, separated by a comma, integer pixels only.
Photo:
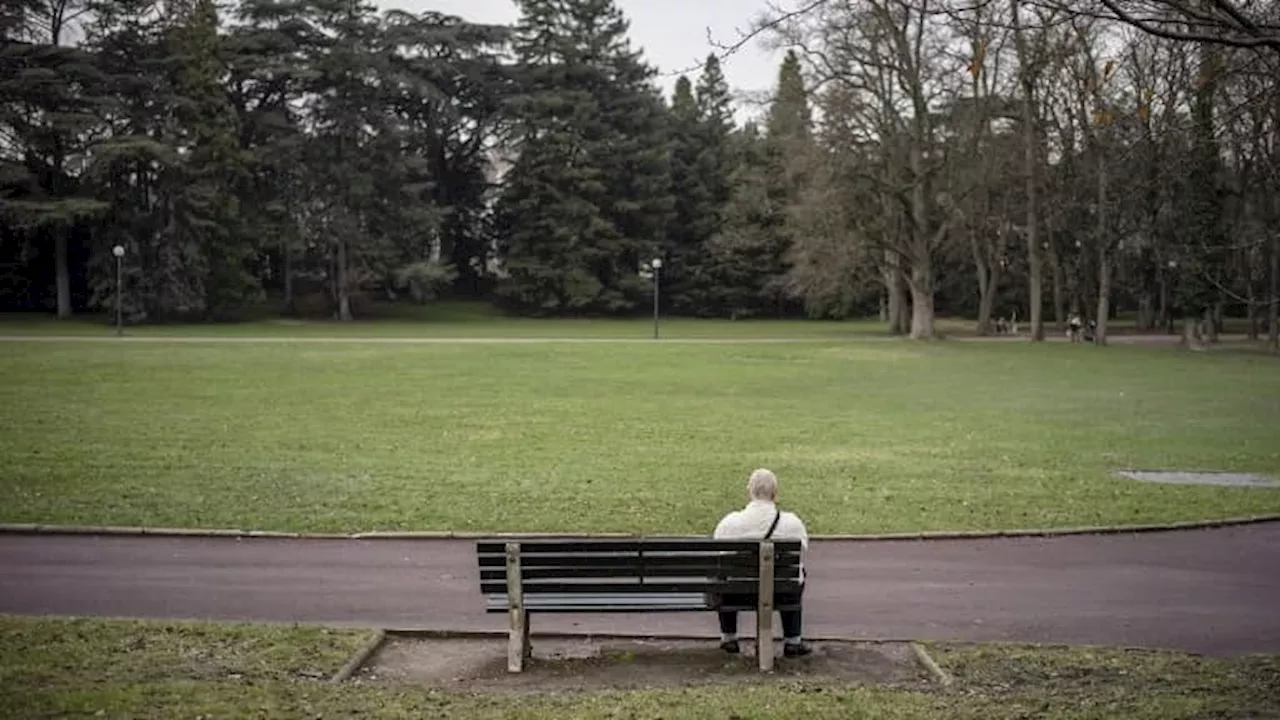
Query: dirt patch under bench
[{"x": 592, "y": 664}]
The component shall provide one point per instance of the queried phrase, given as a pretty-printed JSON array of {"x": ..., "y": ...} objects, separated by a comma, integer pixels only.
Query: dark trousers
[{"x": 792, "y": 620}]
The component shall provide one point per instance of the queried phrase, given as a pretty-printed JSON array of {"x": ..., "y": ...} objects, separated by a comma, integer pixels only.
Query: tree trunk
[
  {"x": 1146, "y": 311},
  {"x": 1219, "y": 324},
  {"x": 1030, "y": 142},
  {"x": 1252, "y": 300},
  {"x": 922, "y": 286},
  {"x": 1273, "y": 293},
  {"x": 62, "y": 274},
  {"x": 922, "y": 306},
  {"x": 900, "y": 308},
  {"x": 1104, "y": 295},
  {"x": 987, "y": 301},
  {"x": 898, "y": 323},
  {"x": 1162, "y": 297},
  {"x": 1034, "y": 263},
  {"x": 984, "y": 271},
  {"x": 1059, "y": 290},
  {"x": 344, "y": 295},
  {"x": 1104, "y": 257},
  {"x": 288, "y": 277},
  {"x": 1210, "y": 327},
  {"x": 1191, "y": 333}
]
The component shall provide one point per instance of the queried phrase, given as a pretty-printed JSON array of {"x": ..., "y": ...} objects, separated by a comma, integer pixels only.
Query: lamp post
[
  {"x": 656, "y": 266},
  {"x": 118, "y": 251}
]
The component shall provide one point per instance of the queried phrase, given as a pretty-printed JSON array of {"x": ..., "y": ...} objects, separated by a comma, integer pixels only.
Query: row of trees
[
  {"x": 1095, "y": 161},
  {"x": 916, "y": 157},
  {"x": 311, "y": 148}
]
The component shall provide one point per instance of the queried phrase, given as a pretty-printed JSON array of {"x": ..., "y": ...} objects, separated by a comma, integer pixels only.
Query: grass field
[
  {"x": 473, "y": 320},
  {"x": 866, "y": 436},
  {"x": 119, "y": 669},
  {"x": 460, "y": 320}
]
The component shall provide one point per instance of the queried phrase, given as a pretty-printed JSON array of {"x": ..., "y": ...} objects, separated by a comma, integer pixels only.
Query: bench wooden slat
[
  {"x": 634, "y": 587},
  {"x": 635, "y": 560},
  {"x": 670, "y": 602},
  {"x": 534, "y": 547},
  {"x": 569, "y": 573}
]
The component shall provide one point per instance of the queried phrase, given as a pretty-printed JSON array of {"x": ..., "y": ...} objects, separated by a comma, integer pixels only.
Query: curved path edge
[
  {"x": 1207, "y": 592},
  {"x": 132, "y": 530}
]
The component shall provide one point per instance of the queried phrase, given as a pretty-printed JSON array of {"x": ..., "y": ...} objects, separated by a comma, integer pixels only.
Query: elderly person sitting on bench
[{"x": 762, "y": 519}]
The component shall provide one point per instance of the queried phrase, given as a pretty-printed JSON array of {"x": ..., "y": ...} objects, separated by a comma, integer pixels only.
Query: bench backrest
[{"x": 692, "y": 565}]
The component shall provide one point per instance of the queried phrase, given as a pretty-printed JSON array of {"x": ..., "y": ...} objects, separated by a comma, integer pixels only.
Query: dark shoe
[
  {"x": 796, "y": 650},
  {"x": 730, "y": 646}
]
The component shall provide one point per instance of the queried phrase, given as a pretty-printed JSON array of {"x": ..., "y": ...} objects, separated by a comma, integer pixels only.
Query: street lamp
[
  {"x": 118, "y": 251},
  {"x": 656, "y": 266}
]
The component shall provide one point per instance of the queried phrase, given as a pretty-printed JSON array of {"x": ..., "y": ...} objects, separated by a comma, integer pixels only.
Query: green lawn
[
  {"x": 460, "y": 320},
  {"x": 162, "y": 670},
  {"x": 473, "y": 320},
  {"x": 866, "y": 436}
]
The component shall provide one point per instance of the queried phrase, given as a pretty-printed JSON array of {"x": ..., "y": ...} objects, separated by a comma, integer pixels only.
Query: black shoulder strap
[{"x": 774, "y": 526}]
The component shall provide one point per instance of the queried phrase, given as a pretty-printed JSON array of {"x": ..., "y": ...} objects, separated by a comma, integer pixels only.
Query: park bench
[{"x": 637, "y": 576}]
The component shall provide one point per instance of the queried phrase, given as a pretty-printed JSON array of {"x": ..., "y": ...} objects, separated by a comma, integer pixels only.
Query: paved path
[
  {"x": 1211, "y": 591},
  {"x": 1142, "y": 339}
]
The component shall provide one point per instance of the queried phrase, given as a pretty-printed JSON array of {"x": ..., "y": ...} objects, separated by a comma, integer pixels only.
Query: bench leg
[
  {"x": 764, "y": 639},
  {"x": 764, "y": 609},
  {"x": 518, "y": 646},
  {"x": 527, "y": 647}
]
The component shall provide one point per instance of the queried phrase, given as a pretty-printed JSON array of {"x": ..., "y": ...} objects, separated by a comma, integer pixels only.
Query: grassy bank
[
  {"x": 479, "y": 320},
  {"x": 119, "y": 669},
  {"x": 867, "y": 437},
  {"x": 461, "y": 320}
]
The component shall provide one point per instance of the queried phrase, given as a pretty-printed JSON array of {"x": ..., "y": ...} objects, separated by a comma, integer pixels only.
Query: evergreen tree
[
  {"x": 789, "y": 148},
  {"x": 741, "y": 255},
  {"x": 750, "y": 252},
  {"x": 267, "y": 82},
  {"x": 831, "y": 254},
  {"x": 137, "y": 167},
  {"x": 51, "y": 93},
  {"x": 790, "y": 119},
  {"x": 686, "y": 249},
  {"x": 587, "y": 199},
  {"x": 446, "y": 105},
  {"x": 715, "y": 161},
  {"x": 703, "y": 146},
  {"x": 212, "y": 172},
  {"x": 345, "y": 156}
]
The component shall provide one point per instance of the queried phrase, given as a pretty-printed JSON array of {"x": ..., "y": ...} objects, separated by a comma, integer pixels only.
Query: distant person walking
[{"x": 1073, "y": 327}]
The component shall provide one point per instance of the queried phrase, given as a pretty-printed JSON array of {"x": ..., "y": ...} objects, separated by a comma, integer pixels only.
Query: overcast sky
[{"x": 672, "y": 33}]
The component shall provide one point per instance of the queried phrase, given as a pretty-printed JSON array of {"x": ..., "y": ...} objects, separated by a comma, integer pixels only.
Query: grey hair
[{"x": 763, "y": 485}]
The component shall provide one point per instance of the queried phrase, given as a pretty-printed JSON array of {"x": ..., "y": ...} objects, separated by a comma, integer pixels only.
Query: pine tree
[
  {"x": 704, "y": 145},
  {"x": 830, "y": 258},
  {"x": 51, "y": 93},
  {"x": 212, "y": 170},
  {"x": 740, "y": 255},
  {"x": 686, "y": 251},
  {"x": 790, "y": 118},
  {"x": 171, "y": 169},
  {"x": 587, "y": 199},
  {"x": 750, "y": 252},
  {"x": 344, "y": 155},
  {"x": 637, "y": 168}
]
